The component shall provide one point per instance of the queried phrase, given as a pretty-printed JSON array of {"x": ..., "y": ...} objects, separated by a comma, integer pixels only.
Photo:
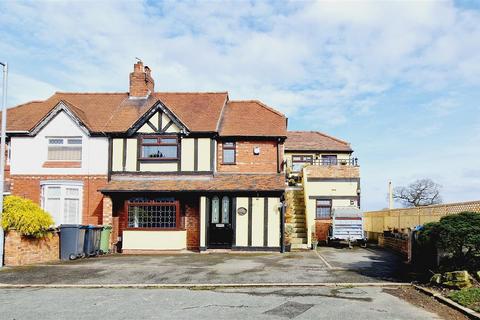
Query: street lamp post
[{"x": 2, "y": 153}]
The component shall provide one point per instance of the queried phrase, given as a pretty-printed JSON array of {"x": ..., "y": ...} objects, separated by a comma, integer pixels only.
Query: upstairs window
[
  {"x": 159, "y": 148},
  {"x": 65, "y": 149},
  {"x": 229, "y": 153},
  {"x": 329, "y": 160},
  {"x": 298, "y": 161}
]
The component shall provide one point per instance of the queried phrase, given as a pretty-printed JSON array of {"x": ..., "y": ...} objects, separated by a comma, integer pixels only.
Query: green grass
[{"x": 469, "y": 298}]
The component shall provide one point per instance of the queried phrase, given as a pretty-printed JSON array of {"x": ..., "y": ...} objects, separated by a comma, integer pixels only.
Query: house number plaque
[{"x": 242, "y": 211}]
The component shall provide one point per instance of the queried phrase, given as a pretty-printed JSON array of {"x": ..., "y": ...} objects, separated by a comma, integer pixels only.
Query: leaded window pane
[
  {"x": 215, "y": 210},
  {"x": 225, "y": 210}
]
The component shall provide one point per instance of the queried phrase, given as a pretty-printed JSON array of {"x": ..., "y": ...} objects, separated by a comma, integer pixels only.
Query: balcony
[{"x": 333, "y": 168}]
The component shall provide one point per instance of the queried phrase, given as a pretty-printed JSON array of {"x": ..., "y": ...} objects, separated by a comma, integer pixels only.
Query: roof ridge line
[
  {"x": 89, "y": 93},
  {"x": 191, "y": 92},
  {"x": 321, "y": 133}
]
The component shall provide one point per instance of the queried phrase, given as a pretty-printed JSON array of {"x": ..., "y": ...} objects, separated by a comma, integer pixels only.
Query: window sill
[
  {"x": 228, "y": 164},
  {"x": 158, "y": 159},
  {"x": 323, "y": 219},
  {"x": 62, "y": 164},
  {"x": 154, "y": 229}
]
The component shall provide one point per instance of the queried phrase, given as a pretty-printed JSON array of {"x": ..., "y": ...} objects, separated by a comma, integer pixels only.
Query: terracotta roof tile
[
  {"x": 252, "y": 118},
  {"x": 221, "y": 182},
  {"x": 314, "y": 141},
  {"x": 115, "y": 112}
]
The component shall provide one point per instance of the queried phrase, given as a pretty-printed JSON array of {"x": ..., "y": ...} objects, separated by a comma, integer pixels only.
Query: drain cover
[{"x": 289, "y": 309}]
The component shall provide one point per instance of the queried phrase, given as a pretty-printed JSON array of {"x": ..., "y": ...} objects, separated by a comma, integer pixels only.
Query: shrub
[
  {"x": 469, "y": 298},
  {"x": 458, "y": 236},
  {"x": 26, "y": 217}
]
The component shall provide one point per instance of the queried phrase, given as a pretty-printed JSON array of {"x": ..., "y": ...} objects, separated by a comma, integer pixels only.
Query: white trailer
[{"x": 347, "y": 226}]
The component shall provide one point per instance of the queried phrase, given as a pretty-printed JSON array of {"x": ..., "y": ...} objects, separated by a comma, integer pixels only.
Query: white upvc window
[
  {"x": 63, "y": 200},
  {"x": 64, "y": 148}
]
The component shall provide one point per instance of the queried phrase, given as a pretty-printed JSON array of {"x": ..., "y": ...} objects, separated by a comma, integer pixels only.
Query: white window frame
[
  {"x": 65, "y": 144},
  {"x": 63, "y": 185}
]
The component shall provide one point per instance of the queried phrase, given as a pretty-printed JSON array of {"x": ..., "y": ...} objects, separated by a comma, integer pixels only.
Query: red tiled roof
[
  {"x": 314, "y": 141},
  {"x": 115, "y": 112},
  {"x": 221, "y": 182},
  {"x": 252, "y": 118}
]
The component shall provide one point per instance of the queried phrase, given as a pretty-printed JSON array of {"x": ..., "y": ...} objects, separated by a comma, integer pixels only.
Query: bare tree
[{"x": 422, "y": 192}]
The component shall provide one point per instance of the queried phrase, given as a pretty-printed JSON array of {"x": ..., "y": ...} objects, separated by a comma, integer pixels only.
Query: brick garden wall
[
  {"x": 398, "y": 245},
  {"x": 21, "y": 250},
  {"x": 246, "y": 161},
  {"x": 28, "y": 186}
]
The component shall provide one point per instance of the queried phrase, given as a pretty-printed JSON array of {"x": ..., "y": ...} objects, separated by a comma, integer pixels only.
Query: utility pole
[
  {"x": 390, "y": 195},
  {"x": 2, "y": 154}
]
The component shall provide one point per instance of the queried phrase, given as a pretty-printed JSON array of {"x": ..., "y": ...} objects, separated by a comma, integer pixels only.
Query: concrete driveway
[{"x": 325, "y": 265}]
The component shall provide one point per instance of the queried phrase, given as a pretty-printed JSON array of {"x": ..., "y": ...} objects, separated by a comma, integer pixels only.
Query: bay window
[
  {"x": 63, "y": 200},
  {"x": 153, "y": 214}
]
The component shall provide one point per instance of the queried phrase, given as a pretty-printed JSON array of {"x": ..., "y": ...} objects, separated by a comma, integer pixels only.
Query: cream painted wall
[
  {"x": 154, "y": 240},
  {"x": 258, "y": 211},
  {"x": 187, "y": 156},
  {"x": 131, "y": 160},
  {"x": 117, "y": 154},
  {"x": 326, "y": 188},
  {"x": 29, "y": 153},
  {"x": 241, "y": 230},
  {"x": 146, "y": 129},
  {"x": 273, "y": 222},
  {"x": 159, "y": 166},
  {"x": 203, "y": 154},
  {"x": 332, "y": 188}
]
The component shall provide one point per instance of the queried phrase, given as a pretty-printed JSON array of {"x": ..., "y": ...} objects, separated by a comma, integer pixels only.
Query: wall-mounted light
[{"x": 256, "y": 151}]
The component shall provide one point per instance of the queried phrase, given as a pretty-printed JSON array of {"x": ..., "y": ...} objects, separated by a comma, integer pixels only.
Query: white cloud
[{"x": 326, "y": 64}]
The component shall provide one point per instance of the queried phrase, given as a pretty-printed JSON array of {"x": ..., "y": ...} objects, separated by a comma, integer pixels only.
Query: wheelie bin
[
  {"x": 90, "y": 245},
  {"x": 105, "y": 239},
  {"x": 72, "y": 241}
]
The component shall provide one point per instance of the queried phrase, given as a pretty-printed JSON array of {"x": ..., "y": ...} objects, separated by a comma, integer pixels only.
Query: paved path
[
  {"x": 328, "y": 265},
  {"x": 272, "y": 303}
]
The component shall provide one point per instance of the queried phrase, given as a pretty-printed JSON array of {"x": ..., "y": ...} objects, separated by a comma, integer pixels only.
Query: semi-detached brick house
[{"x": 169, "y": 171}]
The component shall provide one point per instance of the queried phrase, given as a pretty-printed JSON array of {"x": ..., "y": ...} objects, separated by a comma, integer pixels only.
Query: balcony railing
[{"x": 336, "y": 162}]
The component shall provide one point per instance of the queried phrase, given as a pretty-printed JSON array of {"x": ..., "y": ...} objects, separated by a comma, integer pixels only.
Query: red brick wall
[
  {"x": 321, "y": 229},
  {"x": 25, "y": 250},
  {"x": 246, "y": 161},
  {"x": 28, "y": 186},
  {"x": 192, "y": 222}
]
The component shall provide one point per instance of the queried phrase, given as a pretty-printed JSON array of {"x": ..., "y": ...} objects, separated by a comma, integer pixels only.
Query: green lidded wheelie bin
[{"x": 105, "y": 239}]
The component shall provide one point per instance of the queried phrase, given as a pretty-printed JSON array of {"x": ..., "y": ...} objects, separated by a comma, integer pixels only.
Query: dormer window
[{"x": 159, "y": 148}]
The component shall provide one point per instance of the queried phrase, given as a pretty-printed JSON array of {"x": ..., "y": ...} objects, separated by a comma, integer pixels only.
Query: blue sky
[{"x": 399, "y": 80}]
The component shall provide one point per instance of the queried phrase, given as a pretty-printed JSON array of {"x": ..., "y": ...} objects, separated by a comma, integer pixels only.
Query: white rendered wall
[{"x": 29, "y": 153}]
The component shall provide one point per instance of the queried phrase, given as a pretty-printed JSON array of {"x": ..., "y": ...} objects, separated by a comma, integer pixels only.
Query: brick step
[
  {"x": 298, "y": 224},
  {"x": 298, "y": 240},
  {"x": 299, "y": 229},
  {"x": 298, "y": 219},
  {"x": 299, "y": 246},
  {"x": 299, "y": 235}
]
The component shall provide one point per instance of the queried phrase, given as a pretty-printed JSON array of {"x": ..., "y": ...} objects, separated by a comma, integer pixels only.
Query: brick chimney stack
[{"x": 141, "y": 82}]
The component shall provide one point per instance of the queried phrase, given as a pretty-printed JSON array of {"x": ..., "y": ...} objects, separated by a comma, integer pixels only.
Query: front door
[{"x": 220, "y": 232}]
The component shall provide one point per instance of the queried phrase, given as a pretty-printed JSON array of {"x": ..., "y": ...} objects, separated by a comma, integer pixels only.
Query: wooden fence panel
[{"x": 379, "y": 221}]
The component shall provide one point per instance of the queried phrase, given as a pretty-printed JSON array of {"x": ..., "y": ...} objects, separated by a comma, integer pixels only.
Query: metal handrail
[{"x": 336, "y": 162}]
